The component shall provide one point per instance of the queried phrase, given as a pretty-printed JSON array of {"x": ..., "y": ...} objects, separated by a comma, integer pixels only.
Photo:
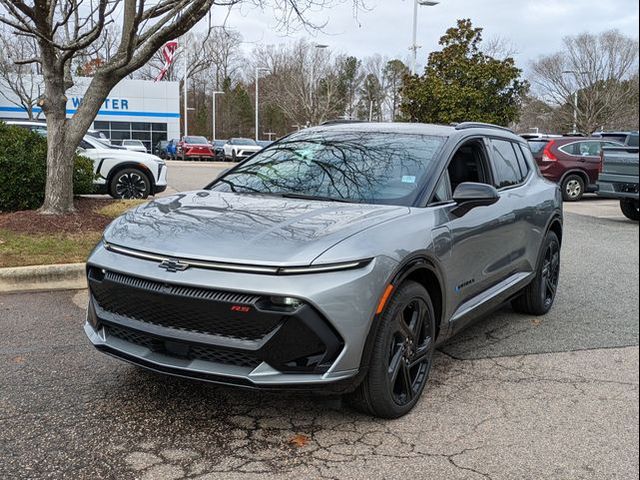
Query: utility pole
[
  {"x": 214, "y": 115},
  {"x": 575, "y": 73},
  {"x": 186, "y": 107},
  {"x": 258, "y": 70}
]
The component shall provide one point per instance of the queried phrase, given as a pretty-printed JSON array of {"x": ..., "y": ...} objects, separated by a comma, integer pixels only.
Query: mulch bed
[{"x": 85, "y": 219}]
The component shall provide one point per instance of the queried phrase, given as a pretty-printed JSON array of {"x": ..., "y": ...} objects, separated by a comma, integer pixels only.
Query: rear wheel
[
  {"x": 402, "y": 355},
  {"x": 538, "y": 297},
  {"x": 130, "y": 183},
  {"x": 629, "y": 208},
  {"x": 573, "y": 188}
]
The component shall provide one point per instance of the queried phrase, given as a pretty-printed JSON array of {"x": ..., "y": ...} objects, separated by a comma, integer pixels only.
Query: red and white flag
[{"x": 168, "y": 52}]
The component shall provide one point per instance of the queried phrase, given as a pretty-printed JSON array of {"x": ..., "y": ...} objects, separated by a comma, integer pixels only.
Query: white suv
[{"x": 120, "y": 172}]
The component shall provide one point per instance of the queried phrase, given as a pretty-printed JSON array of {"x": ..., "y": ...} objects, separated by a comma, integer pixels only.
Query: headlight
[{"x": 333, "y": 267}]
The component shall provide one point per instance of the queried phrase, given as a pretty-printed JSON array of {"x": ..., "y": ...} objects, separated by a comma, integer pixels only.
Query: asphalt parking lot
[{"x": 512, "y": 397}]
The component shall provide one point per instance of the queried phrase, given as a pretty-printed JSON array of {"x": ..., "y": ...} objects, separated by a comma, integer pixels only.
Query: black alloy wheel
[
  {"x": 130, "y": 184},
  {"x": 550, "y": 274},
  {"x": 410, "y": 352},
  {"x": 402, "y": 354},
  {"x": 538, "y": 297}
]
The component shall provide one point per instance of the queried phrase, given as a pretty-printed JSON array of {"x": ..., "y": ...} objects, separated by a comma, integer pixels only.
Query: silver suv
[{"x": 334, "y": 260}]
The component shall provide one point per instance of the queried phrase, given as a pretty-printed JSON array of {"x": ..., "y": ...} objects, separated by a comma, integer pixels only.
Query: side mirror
[{"x": 469, "y": 195}]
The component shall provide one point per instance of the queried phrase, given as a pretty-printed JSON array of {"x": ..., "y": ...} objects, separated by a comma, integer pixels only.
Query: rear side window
[
  {"x": 583, "y": 149},
  {"x": 506, "y": 164},
  {"x": 522, "y": 162}
]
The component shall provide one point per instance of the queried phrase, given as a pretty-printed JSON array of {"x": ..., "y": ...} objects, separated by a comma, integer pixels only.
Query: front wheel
[
  {"x": 537, "y": 298},
  {"x": 130, "y": 183},
  {"x": 402, "y": 355},
  {"x": 630, "y": 209}
]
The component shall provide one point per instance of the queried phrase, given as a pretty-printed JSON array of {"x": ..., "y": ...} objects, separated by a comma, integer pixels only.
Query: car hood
[{"x": 246, "y": 229}]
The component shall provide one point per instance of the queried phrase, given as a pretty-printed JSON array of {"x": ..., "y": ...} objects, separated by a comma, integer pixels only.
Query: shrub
[{"x": 23, "y": 169}]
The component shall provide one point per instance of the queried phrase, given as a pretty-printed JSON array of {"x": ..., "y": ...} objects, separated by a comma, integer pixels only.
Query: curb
[{"x": 43, "y": 277}]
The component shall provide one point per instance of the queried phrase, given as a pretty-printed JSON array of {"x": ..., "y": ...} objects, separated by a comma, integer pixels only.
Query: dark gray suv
[{"x": 334, "y": 260}]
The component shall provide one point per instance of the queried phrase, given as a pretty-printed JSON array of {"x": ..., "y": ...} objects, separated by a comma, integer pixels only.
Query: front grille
[
  {"x": 179, "y": 307},
  {"x": 187, "y": 351}
]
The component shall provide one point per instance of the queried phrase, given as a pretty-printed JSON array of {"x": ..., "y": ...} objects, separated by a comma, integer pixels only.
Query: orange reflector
[{"x": 383, "y": 300}]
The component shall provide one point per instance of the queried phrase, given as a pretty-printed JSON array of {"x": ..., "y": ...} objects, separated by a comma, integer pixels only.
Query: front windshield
[
  {"x": 243, "y": 141},
  {"x": 359, "y": 167},
  {"x": 198, "y": 140}
]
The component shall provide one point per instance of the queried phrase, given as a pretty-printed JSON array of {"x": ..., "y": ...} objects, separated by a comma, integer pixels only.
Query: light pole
[
  {"x": 186, "y": 108},
  {"x": 214, "y": 115},
  {"x": 414, "y": 46},
  {"x": 312, "y": 85},
  {"x": 258, "y": 70},
  {"x": 575, "y": 73}
]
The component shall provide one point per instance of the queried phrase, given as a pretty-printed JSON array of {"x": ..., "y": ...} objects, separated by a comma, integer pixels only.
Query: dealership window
[{"x": 148, "y": 132}]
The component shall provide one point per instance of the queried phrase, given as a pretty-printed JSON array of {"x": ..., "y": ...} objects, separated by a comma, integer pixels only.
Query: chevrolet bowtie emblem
[{"x": 173, "y": 265}]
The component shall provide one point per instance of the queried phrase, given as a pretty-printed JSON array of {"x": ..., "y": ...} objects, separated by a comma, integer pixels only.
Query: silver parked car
[{"x": 334, "y": 260}]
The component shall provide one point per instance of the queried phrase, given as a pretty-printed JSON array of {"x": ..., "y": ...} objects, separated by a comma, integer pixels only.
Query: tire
[
  {"x": 130, "y": 183},
  {"x": 629, "y": 209},
  {"x": 538, "y": 297},
  {"x": 573, "y": 188},
  {"x": 234, "y": 156},
  {"x": 408, "y": 320}
]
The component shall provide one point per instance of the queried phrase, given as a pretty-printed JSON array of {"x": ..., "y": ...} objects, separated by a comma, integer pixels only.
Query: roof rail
[
  {"x": 465, "y": 125},
  {"x": 340, "y": 121}
]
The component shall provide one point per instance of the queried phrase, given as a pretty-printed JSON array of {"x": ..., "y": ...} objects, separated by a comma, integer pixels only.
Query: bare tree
[
  {"x": 394, "y": 73},
  {"x": 601, "y": 69},
  {"x": 20, "y": 83},
  {"x": 302, "y": 81},
  {"x": 63, "y": 29}
]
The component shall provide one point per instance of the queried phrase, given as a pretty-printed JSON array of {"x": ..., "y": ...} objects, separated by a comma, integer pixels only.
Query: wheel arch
[
  {"x": 424, "y": 271},
  {"x": 138, "y": 166},
  {"x": 576, "y": 171},
  {"x": 556, "y": 226}
]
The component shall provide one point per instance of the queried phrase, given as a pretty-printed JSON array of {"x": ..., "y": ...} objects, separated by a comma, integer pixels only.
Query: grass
[
  {"x": 115, "y": 209},
  {"x": 18, "y": 249},
  {"x": 21, "y": 249}
]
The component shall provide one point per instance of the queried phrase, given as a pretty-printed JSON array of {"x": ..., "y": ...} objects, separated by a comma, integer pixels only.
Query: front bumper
[{"x": 317, "y": 345}]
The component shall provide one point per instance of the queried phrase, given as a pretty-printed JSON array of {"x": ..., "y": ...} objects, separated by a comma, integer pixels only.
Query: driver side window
[{"x": 468, "y": 164}]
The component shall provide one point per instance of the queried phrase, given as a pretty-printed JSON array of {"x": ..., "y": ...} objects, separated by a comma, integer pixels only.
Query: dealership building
[{"x": 135, "y": 109}]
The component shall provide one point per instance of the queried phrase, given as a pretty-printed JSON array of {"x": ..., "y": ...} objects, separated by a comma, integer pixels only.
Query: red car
[
  {"x": 195, "y": 148},
  {"x": 572, "y": 162}
]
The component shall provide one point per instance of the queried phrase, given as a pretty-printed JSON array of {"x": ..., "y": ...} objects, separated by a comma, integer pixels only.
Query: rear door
[{"x": 586, "y": 154}]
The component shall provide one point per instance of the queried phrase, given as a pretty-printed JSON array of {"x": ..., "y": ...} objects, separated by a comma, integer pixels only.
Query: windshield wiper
[{"x": 302, "y": 196}]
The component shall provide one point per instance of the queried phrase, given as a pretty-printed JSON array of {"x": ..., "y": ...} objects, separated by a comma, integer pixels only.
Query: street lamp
[
  {"x": 214, "y": 115},
  {"x": 575, "y": 73},
  {"x": 312, "y": 86},
  {"x": 258, "y": 70},
  {"x": 414, "y": 46}
]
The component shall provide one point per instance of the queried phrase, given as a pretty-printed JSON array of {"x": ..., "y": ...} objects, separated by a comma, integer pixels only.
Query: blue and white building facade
[{"x": 135, "y": 109}]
